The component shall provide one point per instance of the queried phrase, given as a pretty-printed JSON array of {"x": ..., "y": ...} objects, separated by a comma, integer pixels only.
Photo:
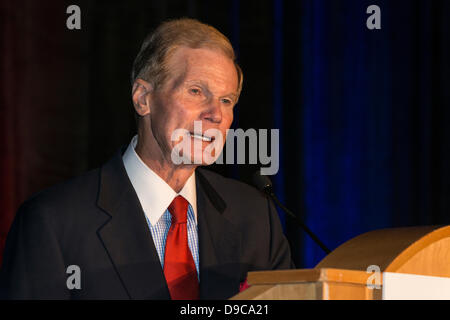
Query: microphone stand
[{"x": 269, "y": 191}]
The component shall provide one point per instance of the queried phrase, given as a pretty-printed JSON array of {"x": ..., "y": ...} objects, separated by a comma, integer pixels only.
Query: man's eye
[
  {"x": 227, "y": 101},
  {"x": 195, "y": 91}
]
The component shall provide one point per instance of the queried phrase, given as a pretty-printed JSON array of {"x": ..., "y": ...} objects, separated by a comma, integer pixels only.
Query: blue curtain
[{"x": 370, "y": 133}]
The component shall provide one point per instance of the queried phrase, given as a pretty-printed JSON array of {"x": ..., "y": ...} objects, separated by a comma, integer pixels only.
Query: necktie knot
[{"x": 178, "y": 209}]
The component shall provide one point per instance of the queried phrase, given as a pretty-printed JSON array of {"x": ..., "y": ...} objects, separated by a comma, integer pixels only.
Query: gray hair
[{"x": 151, "y": 61}]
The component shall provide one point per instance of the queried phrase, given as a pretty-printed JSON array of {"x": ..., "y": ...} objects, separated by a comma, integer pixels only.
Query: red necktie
[{"x": 179, "y": 266}]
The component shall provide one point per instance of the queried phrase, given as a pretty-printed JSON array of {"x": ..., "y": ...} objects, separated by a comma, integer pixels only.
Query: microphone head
[{"x": 261, "y": 182}]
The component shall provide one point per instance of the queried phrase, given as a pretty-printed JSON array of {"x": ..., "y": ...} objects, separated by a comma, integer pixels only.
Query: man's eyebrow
[
  {"x": 200, "y": 82},
  {"x": 204, "y": 84},
  {"x": 232, "y": 94}
]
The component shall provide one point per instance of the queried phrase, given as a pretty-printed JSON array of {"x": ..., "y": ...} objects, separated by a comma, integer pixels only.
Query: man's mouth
[{"x": 201, "y": 137}]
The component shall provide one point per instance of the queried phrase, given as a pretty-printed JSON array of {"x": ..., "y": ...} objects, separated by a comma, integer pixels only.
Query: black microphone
[{"x": 264, "y": 184}]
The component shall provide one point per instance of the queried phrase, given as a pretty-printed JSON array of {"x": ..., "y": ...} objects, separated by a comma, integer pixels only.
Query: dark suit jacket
[{"x": 96, "y": 222}]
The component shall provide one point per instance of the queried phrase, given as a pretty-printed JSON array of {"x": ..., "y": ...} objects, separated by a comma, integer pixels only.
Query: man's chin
[{"x": 202, "y": 161}]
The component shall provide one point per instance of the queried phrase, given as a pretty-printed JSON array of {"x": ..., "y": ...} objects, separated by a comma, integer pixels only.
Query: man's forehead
[
  {"x": 190, "y": 53},
  {"x": 187, "y": 61}
]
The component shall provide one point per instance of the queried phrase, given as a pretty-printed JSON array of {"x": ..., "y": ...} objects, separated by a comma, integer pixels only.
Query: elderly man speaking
[{"x": 143, "y": 226}]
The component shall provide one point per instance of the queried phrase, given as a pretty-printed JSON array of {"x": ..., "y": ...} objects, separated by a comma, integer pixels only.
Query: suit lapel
[
  {"x": 126, "y": 235},
  {"x": 219, "y": 244}
]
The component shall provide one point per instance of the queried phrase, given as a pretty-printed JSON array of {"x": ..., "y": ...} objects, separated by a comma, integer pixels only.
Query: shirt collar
[{"x": 154, "y": 194}]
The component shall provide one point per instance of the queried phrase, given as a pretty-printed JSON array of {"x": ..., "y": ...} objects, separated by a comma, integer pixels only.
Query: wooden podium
[{"x": 343, "y": 273}]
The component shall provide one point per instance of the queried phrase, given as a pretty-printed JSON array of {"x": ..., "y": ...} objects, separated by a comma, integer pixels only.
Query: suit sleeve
[
  {"x": 33, "y": 266},
  {"x": 280, "y": 253}
]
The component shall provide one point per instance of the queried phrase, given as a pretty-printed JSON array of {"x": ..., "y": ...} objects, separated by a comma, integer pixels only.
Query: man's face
[{"x": 202, "y": 86}]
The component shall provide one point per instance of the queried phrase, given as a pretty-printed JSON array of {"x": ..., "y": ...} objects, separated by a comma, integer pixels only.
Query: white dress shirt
[{"x": 155, "y": 196}]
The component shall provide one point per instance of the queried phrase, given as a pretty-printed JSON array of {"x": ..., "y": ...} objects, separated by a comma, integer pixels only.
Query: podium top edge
[{"x": 308, "y": 275}]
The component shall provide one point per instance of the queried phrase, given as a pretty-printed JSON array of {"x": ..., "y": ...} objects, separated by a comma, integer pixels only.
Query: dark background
[{"x": 363, "y": 114}]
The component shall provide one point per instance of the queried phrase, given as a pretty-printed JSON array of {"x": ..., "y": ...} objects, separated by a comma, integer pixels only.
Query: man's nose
[{"x": 213, "y": 112}]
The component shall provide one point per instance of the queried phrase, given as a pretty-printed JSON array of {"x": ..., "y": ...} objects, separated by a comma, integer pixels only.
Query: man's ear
[{"x": 141, "y": 96}]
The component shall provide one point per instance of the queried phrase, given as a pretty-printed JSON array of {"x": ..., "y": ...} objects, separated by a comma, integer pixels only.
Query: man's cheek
[{"x": 228, "y": 122}]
